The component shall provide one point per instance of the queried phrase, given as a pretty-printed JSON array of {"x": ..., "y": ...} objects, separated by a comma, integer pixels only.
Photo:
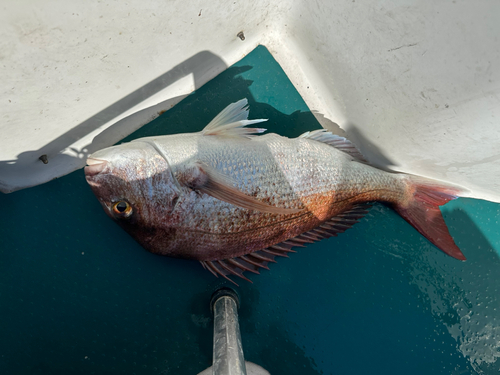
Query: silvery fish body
[{"x": 235, "y": 201}]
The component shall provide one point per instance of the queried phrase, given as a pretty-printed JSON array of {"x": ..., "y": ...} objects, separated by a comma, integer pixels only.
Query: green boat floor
[{"x": 79, "y": 296}]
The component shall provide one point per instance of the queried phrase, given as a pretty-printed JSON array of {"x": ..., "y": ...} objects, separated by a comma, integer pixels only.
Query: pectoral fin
[{"x": 206, "y": 179}]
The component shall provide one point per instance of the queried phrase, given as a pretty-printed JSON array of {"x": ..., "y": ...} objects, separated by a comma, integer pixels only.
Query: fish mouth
[{"x": 95, "y": 166}]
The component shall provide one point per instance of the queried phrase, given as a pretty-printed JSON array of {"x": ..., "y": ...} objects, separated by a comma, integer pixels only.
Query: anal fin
[{"x": 260, "y": 259}]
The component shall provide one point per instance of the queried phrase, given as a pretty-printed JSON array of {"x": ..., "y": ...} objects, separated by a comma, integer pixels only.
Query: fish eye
[{"x": 122, "y": 209}]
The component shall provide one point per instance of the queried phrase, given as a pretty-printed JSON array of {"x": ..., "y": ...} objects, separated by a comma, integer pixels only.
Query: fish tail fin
[{"x": 422, "y": 211}]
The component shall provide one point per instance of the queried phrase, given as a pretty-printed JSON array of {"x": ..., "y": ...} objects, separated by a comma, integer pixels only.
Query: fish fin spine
[
  {"x": 340, "y": 143},
  {"x": 422, "y": 211}
]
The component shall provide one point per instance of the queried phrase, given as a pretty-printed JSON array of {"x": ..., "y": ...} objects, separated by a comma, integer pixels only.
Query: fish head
[{"x": 135, "y": 186}]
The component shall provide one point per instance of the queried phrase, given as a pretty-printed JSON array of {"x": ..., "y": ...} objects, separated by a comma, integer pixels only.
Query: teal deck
[{"x": 79, "y": 296}]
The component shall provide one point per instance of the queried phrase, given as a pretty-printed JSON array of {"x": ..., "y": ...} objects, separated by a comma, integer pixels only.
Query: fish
[{"x": 236, "y": 200}]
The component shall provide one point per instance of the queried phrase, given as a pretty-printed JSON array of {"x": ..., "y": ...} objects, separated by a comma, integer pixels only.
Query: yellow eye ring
[{"x": 122, "y": 209}]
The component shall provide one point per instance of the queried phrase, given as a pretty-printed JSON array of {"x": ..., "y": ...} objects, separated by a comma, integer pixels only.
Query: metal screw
[
  {"x": 241, "y": 35},
  {"x": 44, "y": 159}
]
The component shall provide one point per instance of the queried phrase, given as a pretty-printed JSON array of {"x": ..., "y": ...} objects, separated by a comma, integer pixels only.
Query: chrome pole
[{"x": 228, "y": 356}]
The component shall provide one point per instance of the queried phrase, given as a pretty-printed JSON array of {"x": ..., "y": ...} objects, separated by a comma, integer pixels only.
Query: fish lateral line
[{"x": 242, "y": 231}]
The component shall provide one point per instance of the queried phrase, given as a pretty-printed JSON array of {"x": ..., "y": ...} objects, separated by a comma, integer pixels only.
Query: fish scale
[{"x": 236, "y": 201}]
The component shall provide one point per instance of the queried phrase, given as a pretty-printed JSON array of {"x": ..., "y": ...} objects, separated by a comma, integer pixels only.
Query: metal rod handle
[{"x": 228, "y": 356}]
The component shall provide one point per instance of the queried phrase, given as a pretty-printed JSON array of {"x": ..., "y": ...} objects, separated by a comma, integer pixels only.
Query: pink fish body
[{"x": 235, "y": 201}]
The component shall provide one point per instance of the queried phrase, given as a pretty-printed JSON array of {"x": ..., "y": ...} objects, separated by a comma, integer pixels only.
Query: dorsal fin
[
  {"x": 231, "y": 121},
  {"x": 340, "y": 143},
  {"x": 260, "y": 259}
]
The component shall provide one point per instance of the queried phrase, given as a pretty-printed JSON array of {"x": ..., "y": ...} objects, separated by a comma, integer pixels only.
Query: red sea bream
[{"x": 235, "y": 201}]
